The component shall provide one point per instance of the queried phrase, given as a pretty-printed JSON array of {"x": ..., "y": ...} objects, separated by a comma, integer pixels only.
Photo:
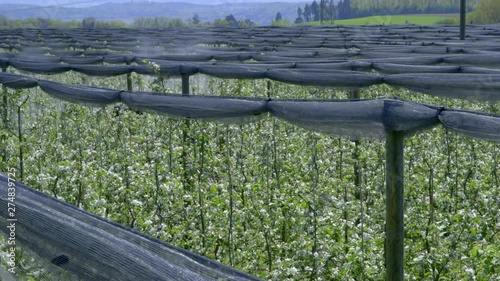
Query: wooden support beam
[{"x": 394, "y": 228}]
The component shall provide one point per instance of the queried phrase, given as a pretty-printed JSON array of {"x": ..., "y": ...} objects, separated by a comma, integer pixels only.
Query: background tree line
[
  {"x": 152, "y": 22},
  {"x": 164, "y": 22},
  {"x": 91, "y": 22},
  {"x": 327, "y": 10},
  {"x": 488, "y": 11},
  {"x": 88, "y": 22}
]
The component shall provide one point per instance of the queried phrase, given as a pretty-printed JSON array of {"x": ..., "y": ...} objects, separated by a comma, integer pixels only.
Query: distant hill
[
  {"x": 262, "y": 13},
  {"x": 88, "y": 3}
]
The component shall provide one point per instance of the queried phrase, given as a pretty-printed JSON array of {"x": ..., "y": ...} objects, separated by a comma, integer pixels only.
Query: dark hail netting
[
  {"x": 354, "y": 119},
  {"x": 75, "y": 245},
  {"x": 424, "y": 59},
  {"x": 427, "y": 59},
  {"x": 466, "y": 82}
]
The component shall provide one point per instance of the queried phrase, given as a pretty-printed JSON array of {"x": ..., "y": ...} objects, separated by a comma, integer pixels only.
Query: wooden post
[
  {"x": 185, "y": 139},
  {"x": 269, "y": 88},
  {"x": 21, "y": 139},
  {"x": 129, "y": 80},
  {"x": 185, "y": 84},
  {"x": 462, "y": 19},
  {"x": 356, "y": 95},
  {"x": 394, "y": 228}
]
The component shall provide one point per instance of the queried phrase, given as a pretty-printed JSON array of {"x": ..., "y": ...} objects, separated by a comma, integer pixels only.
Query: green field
[{"x": 401, "y": 19}]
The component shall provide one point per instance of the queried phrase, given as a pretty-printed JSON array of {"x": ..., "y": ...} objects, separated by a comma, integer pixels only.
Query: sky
[{"x": 80, "y": 3}]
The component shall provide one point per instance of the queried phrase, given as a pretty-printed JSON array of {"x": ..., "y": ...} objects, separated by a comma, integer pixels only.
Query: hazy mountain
[
  {"x": 88, "y": 3},
  {"x": 262, "y": 13}
]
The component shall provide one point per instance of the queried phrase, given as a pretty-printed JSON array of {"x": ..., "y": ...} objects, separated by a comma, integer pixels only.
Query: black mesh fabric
[
  {"x": 462, "y": 86},
  {"x": 354, "y": 119},
  {"x": 392, "y": 68},
  {"x": 472, "y": 124},
  {"x": 75, "y": 245},
  {"x": 40, "y": 68},
  {"x": 228, "y": 110},
  {"x": 340, "y": 79},
  {"x": 17, "y": 81},
  {"x": 105, "y": 71},
  {"x": 80, "y": 94},
  {"x": 281, "y": 54},
  {"x": 241, "y": 72}
]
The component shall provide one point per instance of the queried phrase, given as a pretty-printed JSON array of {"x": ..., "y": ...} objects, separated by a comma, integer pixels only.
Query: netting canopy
[
  {"x": 355, "y": 119},
  {"x": 74, "y": 245},
  {"x": 69, "y": 243}
]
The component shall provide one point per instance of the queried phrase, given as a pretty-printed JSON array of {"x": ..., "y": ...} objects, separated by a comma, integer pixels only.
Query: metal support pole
[
  {"x": 355, "y": 94},
  {"x": 462, "y": 19},
  {"x": 185, "y": 84},
  {"x": 394, "y": 228},
  {"x": 129, "y": 80}
]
